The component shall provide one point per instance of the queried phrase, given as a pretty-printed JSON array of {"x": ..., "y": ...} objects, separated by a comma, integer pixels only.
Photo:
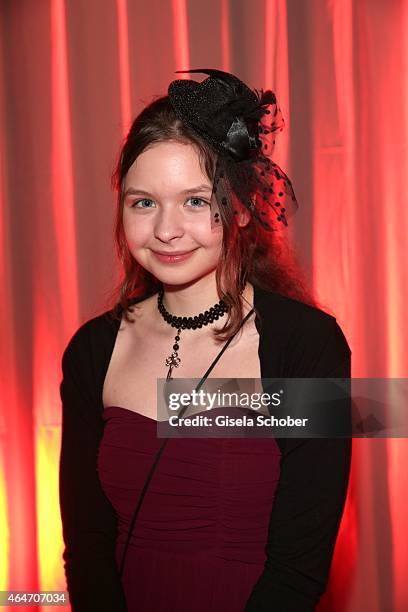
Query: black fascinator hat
[{"x": 230, "y": 116}]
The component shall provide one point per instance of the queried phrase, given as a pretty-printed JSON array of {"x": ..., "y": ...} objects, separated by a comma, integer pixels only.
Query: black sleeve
[
  {"x": 88, "y": 519},
  {"x": 308, "y": 505}
]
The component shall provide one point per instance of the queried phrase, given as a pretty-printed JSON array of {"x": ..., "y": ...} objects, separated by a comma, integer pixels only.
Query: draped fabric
[{"x": 72, "y": 75}]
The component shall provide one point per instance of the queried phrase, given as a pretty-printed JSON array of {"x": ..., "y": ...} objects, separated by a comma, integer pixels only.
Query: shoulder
[
  {"x": 92, "y": 340},
  {"x": 289, "y": 310},
  {"x": 304, "y": 333},
  {"x": 95, "y": 337},
  {"x": 85, "y": 360}
]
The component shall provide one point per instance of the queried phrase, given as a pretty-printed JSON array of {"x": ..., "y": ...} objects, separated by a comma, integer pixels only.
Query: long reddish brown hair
[{"x": 249, "y": 254}]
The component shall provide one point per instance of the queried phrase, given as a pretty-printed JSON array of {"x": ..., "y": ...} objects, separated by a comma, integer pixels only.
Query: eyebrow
[{"x": 189, "y": 190}]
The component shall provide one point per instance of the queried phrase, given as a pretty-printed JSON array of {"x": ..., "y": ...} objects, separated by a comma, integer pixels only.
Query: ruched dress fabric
[{"x": 199, "y": 540}]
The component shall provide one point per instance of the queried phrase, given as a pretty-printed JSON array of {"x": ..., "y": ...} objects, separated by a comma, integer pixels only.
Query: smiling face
[{"x": 166, "y": 214}]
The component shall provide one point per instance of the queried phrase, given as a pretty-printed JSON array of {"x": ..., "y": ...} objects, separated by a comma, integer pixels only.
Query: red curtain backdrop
[{"x": 73, "y": 73}]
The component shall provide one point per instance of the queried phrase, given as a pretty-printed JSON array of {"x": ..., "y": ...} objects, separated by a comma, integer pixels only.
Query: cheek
[
  {"x": 136, "y": 231},
  {"x": 206, "y": 236}
]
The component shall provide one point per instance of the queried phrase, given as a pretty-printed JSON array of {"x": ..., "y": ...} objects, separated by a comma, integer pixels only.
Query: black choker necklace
[{"x": 204, "y": 318}]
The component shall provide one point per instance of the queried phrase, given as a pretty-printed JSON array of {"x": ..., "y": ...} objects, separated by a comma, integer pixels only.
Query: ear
[{"x": 243, "y": 217}]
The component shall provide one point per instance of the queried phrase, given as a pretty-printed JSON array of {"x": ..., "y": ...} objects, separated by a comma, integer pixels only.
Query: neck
[
  {"x": 189, "y": 300},
  {"x": 192, "y": 299}
]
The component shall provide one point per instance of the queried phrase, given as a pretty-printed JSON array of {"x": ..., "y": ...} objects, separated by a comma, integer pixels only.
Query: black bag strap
[{"x": 161, "y": 449}]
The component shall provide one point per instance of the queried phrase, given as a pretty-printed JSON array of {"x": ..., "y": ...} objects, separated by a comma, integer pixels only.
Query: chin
[{"x": 179, "y": 276}]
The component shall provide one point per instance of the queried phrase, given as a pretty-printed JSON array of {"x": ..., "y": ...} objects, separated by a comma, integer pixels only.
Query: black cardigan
[{"x": 295, "y": 341}]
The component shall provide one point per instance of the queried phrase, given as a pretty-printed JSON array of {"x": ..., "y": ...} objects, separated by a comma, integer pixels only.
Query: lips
[
  {"x": 172, "y": 253},
  {"x": 173, "y": 257}
]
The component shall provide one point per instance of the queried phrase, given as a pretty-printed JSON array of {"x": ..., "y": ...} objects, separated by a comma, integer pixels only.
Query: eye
[
  {"x": 146, "y": 203},
  {"x": 198, "y": 203},
  {"x": 140, "y": 203}
]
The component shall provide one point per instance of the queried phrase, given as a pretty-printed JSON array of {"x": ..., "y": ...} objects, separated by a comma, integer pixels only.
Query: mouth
[{"x": 174, "y": 257}]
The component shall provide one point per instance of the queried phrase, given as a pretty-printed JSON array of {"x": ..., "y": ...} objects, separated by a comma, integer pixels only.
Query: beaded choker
[{"x": 204, "y": 318}]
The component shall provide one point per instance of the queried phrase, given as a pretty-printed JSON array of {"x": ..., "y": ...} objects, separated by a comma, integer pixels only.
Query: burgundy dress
[{"x": 199, "y": 540}]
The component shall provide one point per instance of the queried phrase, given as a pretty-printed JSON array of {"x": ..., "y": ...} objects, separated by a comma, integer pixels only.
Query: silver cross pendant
[{"x": 173, "y": 362}]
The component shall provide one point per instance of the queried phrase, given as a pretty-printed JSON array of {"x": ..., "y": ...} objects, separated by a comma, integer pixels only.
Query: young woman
[{"x": 192, "y": 524}]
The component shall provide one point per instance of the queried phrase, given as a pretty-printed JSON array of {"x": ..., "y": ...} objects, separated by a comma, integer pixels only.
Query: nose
[{"x": 168, "y": 224}]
